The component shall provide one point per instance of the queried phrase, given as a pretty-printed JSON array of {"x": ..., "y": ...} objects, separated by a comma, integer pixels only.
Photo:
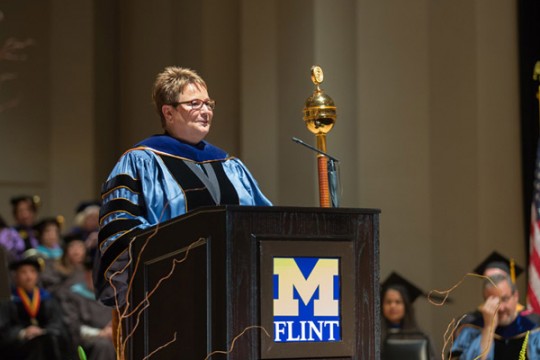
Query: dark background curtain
[{"x": 529, "y": 53}]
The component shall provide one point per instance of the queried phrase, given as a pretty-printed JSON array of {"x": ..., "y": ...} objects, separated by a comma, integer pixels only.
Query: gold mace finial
[
  {"x": 320, "y": 117},
  {"x": 319, "y": 109},
  {"x": 317, "y": 75}
]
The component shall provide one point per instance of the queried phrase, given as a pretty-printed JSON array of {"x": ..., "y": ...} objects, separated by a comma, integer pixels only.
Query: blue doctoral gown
[
  {"x": 507, "y": 343},
  {"x": 159, "y": 179}
]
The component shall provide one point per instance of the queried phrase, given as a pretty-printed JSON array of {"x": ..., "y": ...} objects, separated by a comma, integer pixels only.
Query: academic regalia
[
  {"x": 406, "y": 329},
  {"x": 501, "y": 262},
  {"x": 86, "y": 317},
  {"x": 14, "y": 317},
  {"x": 27, "y": 233},
  {"x": 497, "y": 261},
  {"x": 12, "y": 242},
  {"x": 507, "y": 344},
  {"x": 159, "y": 179}
]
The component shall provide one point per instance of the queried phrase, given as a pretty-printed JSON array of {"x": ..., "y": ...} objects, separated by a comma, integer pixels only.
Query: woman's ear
[{"x": 166, "y": 110}]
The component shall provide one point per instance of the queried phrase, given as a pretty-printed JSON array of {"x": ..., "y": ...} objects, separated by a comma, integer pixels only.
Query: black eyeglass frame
[{"x": 197, "y": 104}]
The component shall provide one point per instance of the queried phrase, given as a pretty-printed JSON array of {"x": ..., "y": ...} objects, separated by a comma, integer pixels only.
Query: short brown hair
[{"x": 171, "y": 82}]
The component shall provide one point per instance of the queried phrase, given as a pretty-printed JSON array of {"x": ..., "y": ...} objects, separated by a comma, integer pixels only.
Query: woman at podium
[{"x": 166, "y": 175}]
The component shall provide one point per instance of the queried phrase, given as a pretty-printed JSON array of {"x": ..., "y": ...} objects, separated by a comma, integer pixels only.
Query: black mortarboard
[
  {"x": 83, "y": 205},
  {"x": 413, "y": 291},
  {"x": 33, "y": 199},
  {"x": 394, "y": 278},
  {"x": 496, "y": 260},
  {"x": 29, "y": 257}
]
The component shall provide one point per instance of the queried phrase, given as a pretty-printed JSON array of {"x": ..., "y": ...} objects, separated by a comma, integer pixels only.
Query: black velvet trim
[
  {"x": 122, "y": 180},
  {"x": 229, "y": 196},
  {"x": 122, "y": 205},
  {"x": 115, "y": 227},
  {"x": 196, "y": 193}
]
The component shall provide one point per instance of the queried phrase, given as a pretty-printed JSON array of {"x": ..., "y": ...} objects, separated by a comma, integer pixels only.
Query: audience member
[
  {"x": 48, "y": 231},
  {"x": 397, "y": 312},
  {"x": 31, "y": 324},
  {"x": 67, "y": 270},
  {"x": 50, "y": 250},
  {"x": 500, "y": 331},
  {"x": 25, "y": 209},
  {"x": 11, "y": 241},
  {"x": 89, "y": 321},
  {"x": 497, "y": 264},
  {"x": 87, "y": 224}
]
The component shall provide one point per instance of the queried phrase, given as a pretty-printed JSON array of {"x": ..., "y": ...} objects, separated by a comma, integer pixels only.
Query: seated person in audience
[
  {"x": 87, "y": 224},
  {"x": 25, "y": 209},
  {"x": 89, "y": 321},
  {"x": 397, "y": 313},
  {"x": 500, "y": 332},
  {"x": 50, "y": 250},
  {"x": 497, "y": 264},
  {"x": 11, "y": 241},
  {"x": 31, "y": 324},
  {"x": 69, "y": 269},
  {"x": 48, "y": 231},
  {"x": 71, "y": 265}
]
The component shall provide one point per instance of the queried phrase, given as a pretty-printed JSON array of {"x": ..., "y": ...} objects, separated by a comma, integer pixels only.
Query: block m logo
[{"x": 291, "y": 276}]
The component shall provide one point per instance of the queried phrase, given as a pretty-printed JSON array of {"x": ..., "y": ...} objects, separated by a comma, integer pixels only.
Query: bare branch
[{"x": 10, "y": 51}]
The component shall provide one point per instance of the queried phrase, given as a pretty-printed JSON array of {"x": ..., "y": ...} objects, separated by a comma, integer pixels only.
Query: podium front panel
[
  {"x": 221, "y": 298},
  {"x": 307, "y": 297}
]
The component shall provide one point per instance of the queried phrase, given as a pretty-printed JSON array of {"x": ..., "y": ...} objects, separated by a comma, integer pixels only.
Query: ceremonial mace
[{"x": 320, "y": 117}]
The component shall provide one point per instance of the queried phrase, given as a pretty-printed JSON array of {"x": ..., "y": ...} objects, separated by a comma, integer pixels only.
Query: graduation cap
[
  {"x": 498, "y": 261},
  {"x": 413, "y": 291},
  {"x": 33, "y": 199},
  {"x": 86, "y": 204},
  {"x": 29, "y": 257},
  {"x": 394, "y": 279}
]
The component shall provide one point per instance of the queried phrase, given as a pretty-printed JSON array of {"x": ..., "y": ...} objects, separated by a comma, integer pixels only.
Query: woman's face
[
  {"x": 393, "y": 306},
  {"x": 24, "y": 213},
  {"x": 50, "y": 236},
  {"x": 75, "y": 252},
  {"x": 185, "y": 123}
]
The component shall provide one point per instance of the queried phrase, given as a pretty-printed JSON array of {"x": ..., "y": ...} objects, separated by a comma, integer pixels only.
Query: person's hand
[
  {"x": 489, "y": 312},
  {"x": 92, "y": 240},
  {"x": 106, "y": 332},
  {"x": 32, "y": 331}
]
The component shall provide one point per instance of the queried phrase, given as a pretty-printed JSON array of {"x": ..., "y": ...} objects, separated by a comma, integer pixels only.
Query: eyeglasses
[{"x": 197, "y": 104}]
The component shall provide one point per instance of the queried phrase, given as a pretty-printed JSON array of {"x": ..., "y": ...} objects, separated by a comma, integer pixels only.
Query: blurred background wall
[{"x": 427, "y": 97}]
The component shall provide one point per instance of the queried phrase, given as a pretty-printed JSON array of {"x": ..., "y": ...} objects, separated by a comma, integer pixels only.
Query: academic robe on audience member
[
  {"x": 28, "y": 235},
  {"x": 53, "y": 345},
  {"x": 507, "y": 344},
  {"x": 54, "y": 277},
  {"x": 159, "y": 179},
  {"x": 86, "y": 317},
  {"x": 12, "y": 242}
]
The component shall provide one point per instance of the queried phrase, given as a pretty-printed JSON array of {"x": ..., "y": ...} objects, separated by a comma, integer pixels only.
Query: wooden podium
[{"x": 231, "y": 267}]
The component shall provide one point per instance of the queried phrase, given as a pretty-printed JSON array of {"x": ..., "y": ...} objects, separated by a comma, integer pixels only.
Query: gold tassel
[
  {"x": 523, "y": 351},
  {"x": 513, "y": 271}
]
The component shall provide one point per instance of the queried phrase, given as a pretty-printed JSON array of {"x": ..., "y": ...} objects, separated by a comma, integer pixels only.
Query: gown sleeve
[
  {"x": 122, "y": 216},
  {"x": 246, "y": 186}
]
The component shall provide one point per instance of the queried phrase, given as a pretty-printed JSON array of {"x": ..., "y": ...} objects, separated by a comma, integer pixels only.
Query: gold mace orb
[{"x": 319, "y": 109}]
